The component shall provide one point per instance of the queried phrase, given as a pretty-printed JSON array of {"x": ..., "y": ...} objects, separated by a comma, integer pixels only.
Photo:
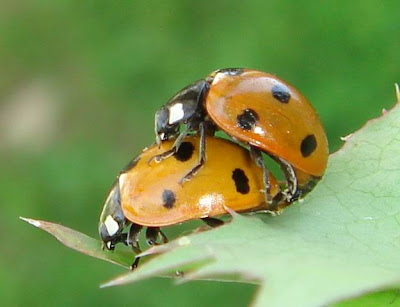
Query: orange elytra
[
  {"x": 149, "y": 194},
  {"x": 256, "y": 108}
]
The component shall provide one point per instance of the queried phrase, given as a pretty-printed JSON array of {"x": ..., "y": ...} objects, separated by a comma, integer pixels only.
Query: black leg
[
  {"x": 212, "y": 222},
  {"x": 133, "y": 241},
  {"x": 202, "y": 155},
  {"x": 291, "y": 190},
  {"x": 152, "y": 235},
  {"x": 256, "y": 155},
  {"x": 123, "y": 238},
  {"x": 164, "y": 238},
  {"x": 304, "y": 189},
  {"x": 174, "y": 148}
]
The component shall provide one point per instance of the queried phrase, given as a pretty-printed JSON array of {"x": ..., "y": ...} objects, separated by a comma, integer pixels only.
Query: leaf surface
[{"x": 342, "y": 241}]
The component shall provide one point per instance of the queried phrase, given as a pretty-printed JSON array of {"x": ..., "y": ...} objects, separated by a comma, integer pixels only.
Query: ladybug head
[
  {"x": 112, "y": 220},
  {"x": 164, "y": 130},
  {"x": 184, "y": 108}
]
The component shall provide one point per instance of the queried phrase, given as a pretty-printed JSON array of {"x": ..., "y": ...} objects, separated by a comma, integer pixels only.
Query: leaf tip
[
  {"x": 119, "y": 281},
  {"x": 106, "y": 285},
  {"x": 397, "y": 89},
  {"x": 33, "y": 222}
]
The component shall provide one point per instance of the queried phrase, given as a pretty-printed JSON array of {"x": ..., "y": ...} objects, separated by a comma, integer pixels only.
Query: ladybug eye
[{"x": 110, "y": 246}]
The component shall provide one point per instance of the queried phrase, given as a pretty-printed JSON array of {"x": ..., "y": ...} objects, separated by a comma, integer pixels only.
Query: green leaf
[
  {"x": 385, "y": 298},
  {"x": 341, "y": 242},
  {"x": 82, "y": 243}
]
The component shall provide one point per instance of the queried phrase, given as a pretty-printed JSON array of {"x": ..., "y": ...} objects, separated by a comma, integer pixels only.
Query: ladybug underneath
[
  {"x": 150, "y": 194},
  {"x": 256, "y": 108}
]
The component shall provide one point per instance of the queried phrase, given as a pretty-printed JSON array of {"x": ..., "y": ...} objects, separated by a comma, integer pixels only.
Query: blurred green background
[{"x": 81, "y": 80}]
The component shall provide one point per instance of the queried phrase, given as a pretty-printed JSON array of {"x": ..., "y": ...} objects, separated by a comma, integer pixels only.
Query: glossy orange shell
[
  {"x": 281, "y": 127},
  {"x": 142, "y": 186}
]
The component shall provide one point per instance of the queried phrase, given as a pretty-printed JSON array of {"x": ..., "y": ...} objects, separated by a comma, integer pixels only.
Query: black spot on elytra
[
  {"x": 185, "y": 152},
  {"x": 281, "y": 93},
  {"x": 241, "y": 181},
  {"x": 247, "y": 119},
  {"x": 308, "y": 145},
  {"x": 168, "y": 198}
]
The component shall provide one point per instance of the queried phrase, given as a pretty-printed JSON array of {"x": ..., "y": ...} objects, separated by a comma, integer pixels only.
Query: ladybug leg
[
  {"x": 173, "y": 149},
  {"x": 305, "y": 186},
  {"x": 202, "y": 154},
  {"x": 292, "y": 185},
  {"x": 152, "y": 234},
  {"x": 164, "y": 238},
  {"x": 123, "y": 238},
  {"x": 212, "y": 222},
  {"x": 256, "y": 155},
  {"x": 133, "y": 241}
]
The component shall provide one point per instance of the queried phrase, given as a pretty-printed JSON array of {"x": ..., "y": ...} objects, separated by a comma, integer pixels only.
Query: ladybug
[
  {"x": 150, "y": 195},
  {"x": 255, "y": 108}
]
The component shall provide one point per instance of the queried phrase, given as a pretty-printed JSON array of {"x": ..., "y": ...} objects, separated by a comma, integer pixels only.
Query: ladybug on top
[{"x": 256, "y": 108}]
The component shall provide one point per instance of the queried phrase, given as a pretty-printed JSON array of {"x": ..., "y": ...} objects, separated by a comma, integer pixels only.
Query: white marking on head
[
  {"x": 111, "y": 225},
  {"x": 109, "y": 245},
  {"x": 175, "y": 113}
]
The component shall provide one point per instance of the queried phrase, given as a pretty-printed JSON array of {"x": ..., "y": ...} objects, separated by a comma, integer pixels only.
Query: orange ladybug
[
  {"x": 256, "y": 108},
  {"x": 150, "y": 195}
]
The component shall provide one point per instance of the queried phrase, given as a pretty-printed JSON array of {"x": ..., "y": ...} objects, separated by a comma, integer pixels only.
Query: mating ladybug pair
[{"x": 191, "y": 174}]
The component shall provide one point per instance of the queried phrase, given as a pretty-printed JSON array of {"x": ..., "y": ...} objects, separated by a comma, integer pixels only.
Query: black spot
[
  {"x": 241, "y": 181},
  {"x": 308, "y": 145},
  {"x": 185, "y": 152},
  {"x": 130, "y": 165},
  {"x": 168, "y": 198},
  {"x": 247, "y": 119},
  {"x": 281, "y": 93}
]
